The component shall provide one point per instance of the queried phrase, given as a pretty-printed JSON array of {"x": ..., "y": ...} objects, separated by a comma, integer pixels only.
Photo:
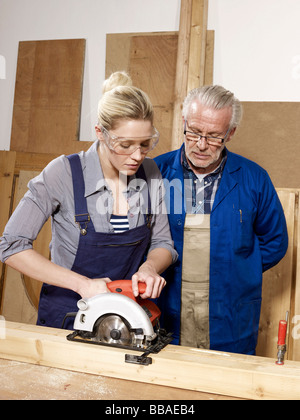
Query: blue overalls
[{"x": 117, "y": 256}]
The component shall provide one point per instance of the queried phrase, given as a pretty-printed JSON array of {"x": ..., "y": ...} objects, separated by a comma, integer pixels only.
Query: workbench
[{"x": 40, "y": 363}]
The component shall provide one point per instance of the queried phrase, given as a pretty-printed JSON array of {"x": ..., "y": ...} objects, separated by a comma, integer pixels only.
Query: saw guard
[{"x": 111, "y": 303}]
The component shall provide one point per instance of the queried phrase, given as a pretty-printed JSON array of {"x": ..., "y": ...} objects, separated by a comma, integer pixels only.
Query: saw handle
[
  {"x": 282, "y": 333},
  {"x": 125, "y": 287}
]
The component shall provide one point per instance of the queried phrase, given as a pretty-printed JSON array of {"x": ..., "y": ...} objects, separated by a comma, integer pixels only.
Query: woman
[{"x": 86, "y": 194}]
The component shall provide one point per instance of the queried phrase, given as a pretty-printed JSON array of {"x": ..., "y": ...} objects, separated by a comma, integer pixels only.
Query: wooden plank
[
  {"x": 16, "y": 304},
  {"x": 21, "y": 293},
  {"x": 7, "y": 165},
  {"x": 277, "y": 286},
  {"x": 33, "y": 287},
  {"x": 209, "y": 58},
  {"x": 29, "y": 161},
  {"x": 197, "y": 56},
  {"x": 294, "y": 325},
  {"x": 191, "y": 57},
  {"x": 182, "y": 68},
  {"x": 48, "y": 93},
  {"x": 118, "y": 49},
  {"x": 180, "y": 367},
  {"x": 152, "y": 68}
]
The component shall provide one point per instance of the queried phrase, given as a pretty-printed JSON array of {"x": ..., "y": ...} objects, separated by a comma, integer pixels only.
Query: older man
[{"x": 228, "y": 227}]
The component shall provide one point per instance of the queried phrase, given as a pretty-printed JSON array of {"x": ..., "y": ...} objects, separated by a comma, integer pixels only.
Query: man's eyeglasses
[
  {"x": 127, "y": 146},
  {"x": 211, "y": 140}
]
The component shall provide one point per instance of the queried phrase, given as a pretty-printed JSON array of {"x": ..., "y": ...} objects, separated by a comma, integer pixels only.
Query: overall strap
[
  {"x": 141, "y": 175},
  {"x": 82, "y": 217}
]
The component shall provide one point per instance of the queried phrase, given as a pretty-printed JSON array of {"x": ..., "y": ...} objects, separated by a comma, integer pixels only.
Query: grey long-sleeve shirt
[{"x": 50, "y": 194}]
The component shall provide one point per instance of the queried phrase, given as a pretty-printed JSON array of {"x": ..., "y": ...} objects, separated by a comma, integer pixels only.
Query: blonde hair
[
  {"x": 121, "y": 101},
  {"x": 216, "y": 97}
]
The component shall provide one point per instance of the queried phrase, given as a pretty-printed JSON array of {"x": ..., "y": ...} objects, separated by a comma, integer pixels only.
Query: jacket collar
[
  {"x": 229, "y": 178},
  {"x": 232, "y": 164}
]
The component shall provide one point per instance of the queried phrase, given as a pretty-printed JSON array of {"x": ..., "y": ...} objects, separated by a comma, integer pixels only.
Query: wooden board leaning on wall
[{"x": 48, "y": 94}]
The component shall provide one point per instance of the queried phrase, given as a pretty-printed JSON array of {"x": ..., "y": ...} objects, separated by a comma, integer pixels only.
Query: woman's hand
[
  {"x": 157, "y": 261},
  {"x": 93, "y": 287},
  {"x": 154, "y": 282}
]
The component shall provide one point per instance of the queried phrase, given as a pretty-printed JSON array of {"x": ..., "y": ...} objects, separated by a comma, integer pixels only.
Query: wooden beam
[
  {"x": 182, "y": 68},
  {"x": 196, "y": 74},
  {"x": 33, "y": 382},
  {"x": 191, "y": 54},
  {"x": 209, "y": 58},
  {"x": 175, "y": 366}
]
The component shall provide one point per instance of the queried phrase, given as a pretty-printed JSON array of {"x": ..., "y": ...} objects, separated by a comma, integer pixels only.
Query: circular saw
[{"x": 120, "y": 319}]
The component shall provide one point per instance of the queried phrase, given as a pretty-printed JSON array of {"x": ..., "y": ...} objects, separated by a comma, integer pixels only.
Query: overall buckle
[{"x": 82, "y": 220}]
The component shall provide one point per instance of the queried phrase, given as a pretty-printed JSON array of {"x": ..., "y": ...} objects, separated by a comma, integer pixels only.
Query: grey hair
[{"x": 215, "y": 97}]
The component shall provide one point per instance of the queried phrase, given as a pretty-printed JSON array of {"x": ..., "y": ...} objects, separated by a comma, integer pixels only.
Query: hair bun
[{"x": 119, "y": 78}]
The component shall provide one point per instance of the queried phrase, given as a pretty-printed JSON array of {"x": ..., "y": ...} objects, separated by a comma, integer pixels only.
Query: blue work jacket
[{"x": 248, "y": 236}]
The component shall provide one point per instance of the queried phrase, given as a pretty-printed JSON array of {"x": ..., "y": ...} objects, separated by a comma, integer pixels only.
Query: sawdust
[
  {"x": 23, "y": 381},
  {"x": 29, "y": 382}
]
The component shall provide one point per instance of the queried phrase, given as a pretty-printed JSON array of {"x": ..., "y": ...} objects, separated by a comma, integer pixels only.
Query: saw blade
[{"x": 113, "y": 329}]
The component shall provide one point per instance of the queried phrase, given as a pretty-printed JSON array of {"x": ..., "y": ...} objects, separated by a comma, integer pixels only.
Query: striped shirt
[
  {"x": 200, "y": 190},
  {"x": 119, "y": 223}
]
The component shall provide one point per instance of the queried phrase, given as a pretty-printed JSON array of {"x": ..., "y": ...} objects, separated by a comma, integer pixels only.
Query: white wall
[
  {"x": 257, "y": 50},
  {"x": 24, "y": 20}
]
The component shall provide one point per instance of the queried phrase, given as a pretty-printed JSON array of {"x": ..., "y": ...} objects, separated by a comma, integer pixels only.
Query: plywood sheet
[
  {"x": 151, "y": 59},
  {"x": 48, "y": 94},
  {"x": 270, "y": 135},
  {"x": 152, "y": 68}
]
